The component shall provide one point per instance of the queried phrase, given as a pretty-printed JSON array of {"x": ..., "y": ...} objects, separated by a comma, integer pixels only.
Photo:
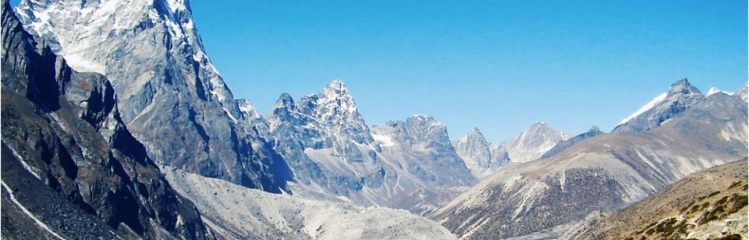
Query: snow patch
[
  {"x": 385, "y": 140},
  {"x": 714, "y": 90},
  {"x": 81, "y": 64},
  {"x": 645, "y": 107},
  {"x": 20, "y": 159}
]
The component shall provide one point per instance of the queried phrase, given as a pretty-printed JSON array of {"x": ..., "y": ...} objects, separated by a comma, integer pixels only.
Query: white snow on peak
[
  {"x": 645, "y": 107},
  {"x": 336, "y": 94},
  {"x": 176, "y": 5},
  {"x": 385, "y": 140},
  {"x": 714, "y": 90},
  {"x": 248, "y": 109}
]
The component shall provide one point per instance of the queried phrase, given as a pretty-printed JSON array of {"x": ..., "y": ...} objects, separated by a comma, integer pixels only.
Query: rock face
[
  {"x": 476, "y": 152},
  {"x": 604, "y": 175},
  {"x": 564, "y": 145},
  {"x": 680, "y": 97},
  {"x": 241, "y": 213},
  {"x": 425, "y": 144},
  {"x": 334, "y": 153},
  {"x": 69, "y": 161},
  {"x": 173, "y": 99},
  {"x": 709, "y": 204},
  {"x": 531, "y": 144}
]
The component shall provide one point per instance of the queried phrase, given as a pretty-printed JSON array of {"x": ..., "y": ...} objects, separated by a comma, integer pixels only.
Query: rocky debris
[{"x": 237, "y": 212}]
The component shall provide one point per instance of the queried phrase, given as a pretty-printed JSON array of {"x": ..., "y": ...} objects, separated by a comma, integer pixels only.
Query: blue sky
[{"x": 496, "y": 65}]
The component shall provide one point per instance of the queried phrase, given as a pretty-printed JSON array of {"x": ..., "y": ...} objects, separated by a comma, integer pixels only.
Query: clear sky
[{"x": 496, "y": 65}]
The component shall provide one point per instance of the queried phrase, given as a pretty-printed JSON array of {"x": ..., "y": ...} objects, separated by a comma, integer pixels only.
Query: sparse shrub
[
  {"x": 731, "y": 237},
  {"x": 739, "y": 202},
  {"x": 713, "y": 193}
]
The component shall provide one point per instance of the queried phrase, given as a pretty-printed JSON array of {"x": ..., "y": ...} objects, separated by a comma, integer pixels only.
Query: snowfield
[{"x": 236, "y": 212}]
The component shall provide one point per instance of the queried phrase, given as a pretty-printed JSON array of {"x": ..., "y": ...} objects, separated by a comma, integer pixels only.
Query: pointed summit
[
  {"x": 683, "y": 87},
  {"x": 284, "y": 101},
  {"x": 335, "y": 96},
  {"x": 594, "y": 128},
  {"x": 681, "y": 96},
  {"x": 532, "y": 143},
  {"x": 475, "y": 132},
  {"x": 475, "y": 151}
]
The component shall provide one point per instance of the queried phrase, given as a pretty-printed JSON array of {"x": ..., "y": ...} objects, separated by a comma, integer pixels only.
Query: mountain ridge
[{"x": 607, "y": 174}]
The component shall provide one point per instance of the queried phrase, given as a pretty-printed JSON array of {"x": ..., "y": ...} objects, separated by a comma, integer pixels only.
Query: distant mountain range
[
  {"x": 483, "y": 158},
  {"x": 603, "y": 173},
  {"x": 116, "y": 124}
]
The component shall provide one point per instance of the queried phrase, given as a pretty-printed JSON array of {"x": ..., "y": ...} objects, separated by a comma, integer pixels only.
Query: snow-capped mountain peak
[
  {"x": 663, "y": 107},
  {"x": 336, "y": 95},
  {"x": 714, "y": 90}
]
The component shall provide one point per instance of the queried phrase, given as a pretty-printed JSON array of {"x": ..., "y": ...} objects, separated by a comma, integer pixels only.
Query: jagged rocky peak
[
  {"x": 681, "y": 96},
  {"x": 540, "y": 132},
  {"x": 423, "y": 127},
  {"x": 320, "y": 119},
  {"x": 683, "y": 87},
  {"x": 284, "y": 101},
  {"x": 530, "y": 144},
  {"x": 337, "y": 95},
  {"x": 475, "y": 151},
  {"x": 335, "y": 102},
  {"x": 128, "y": 41},
  {"x": 476, "y": 135},
  {"x": 594, "y": 129}
]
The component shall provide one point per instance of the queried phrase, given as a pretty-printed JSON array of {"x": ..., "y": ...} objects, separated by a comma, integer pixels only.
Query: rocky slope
[
  {"x": 333, "y": 153},
  {"x": 241, "y": 213},
  {"x": 171, "y": 96},
  {"x": 708, "y": 204},
  {"x": 605, "y": 175},
  {"x": 680, "y": 97},
  {"x": 69, "y": 162},
  {"x": 476, "y": 151}
]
